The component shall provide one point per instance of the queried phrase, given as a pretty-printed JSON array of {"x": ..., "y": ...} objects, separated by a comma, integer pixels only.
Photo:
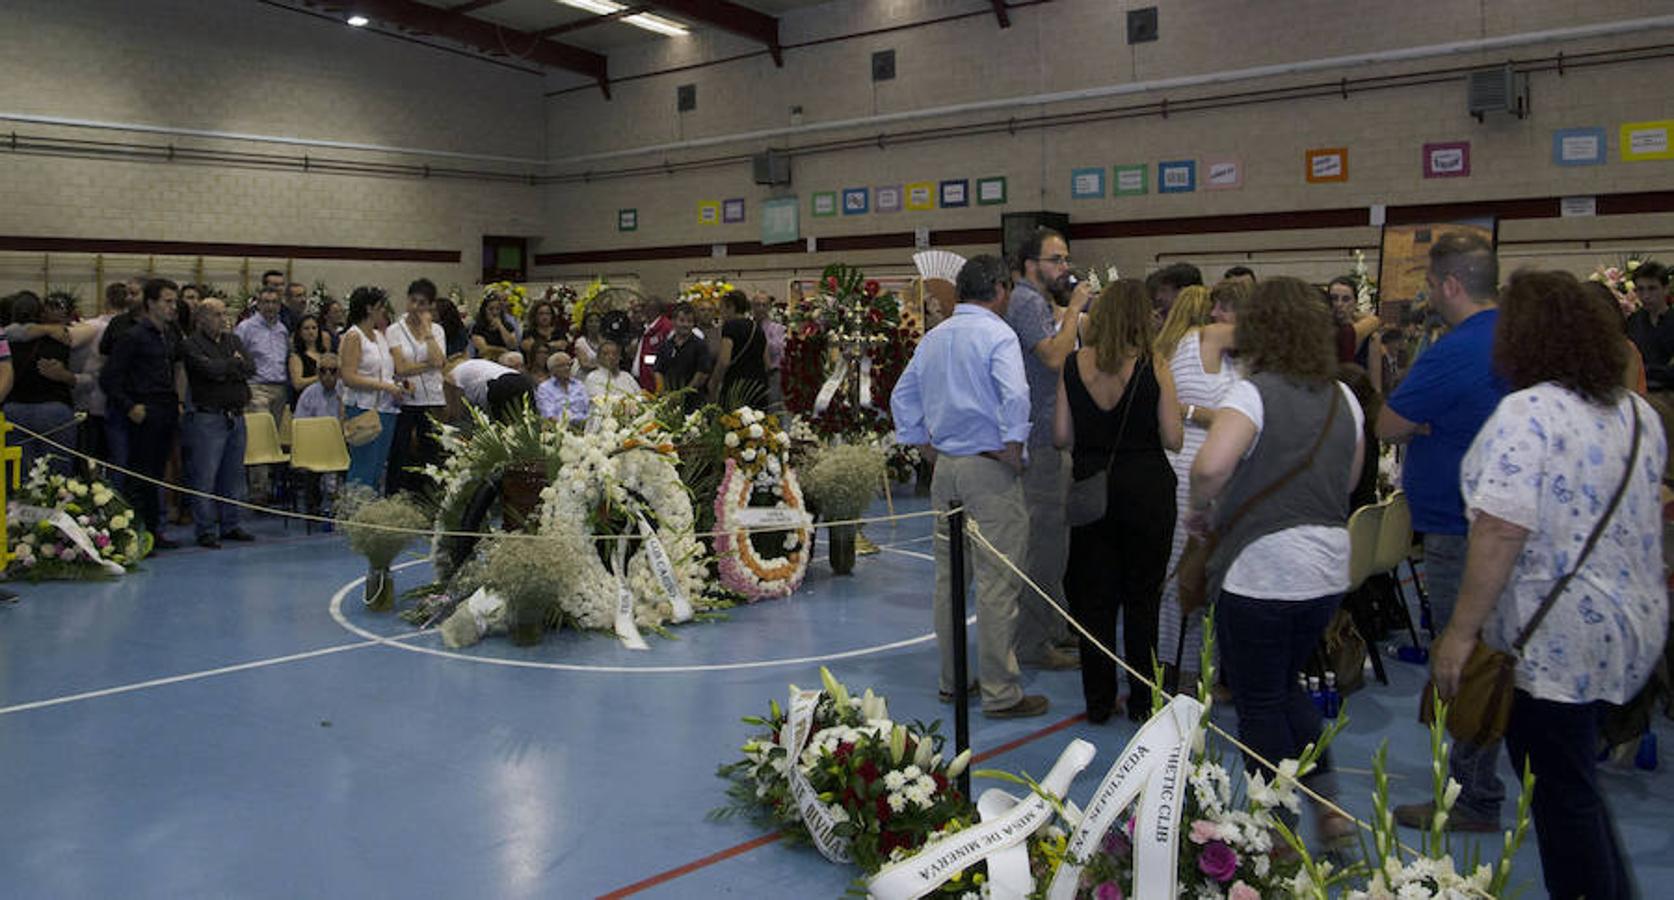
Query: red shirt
[{"x": 645, "y": 361}]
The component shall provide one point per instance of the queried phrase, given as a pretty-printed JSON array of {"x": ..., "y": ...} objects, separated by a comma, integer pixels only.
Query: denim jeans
[
  {"x": 1481, "y": 792},
  {"x": 1580, "y": 854},
  {"x": 117, "y": 430},
  {"x": 47, "y": 419},
  {"x": 1264, "y": 645},
  {"x": 366, "y": 462},
  {"x": 214, "y": 446}
]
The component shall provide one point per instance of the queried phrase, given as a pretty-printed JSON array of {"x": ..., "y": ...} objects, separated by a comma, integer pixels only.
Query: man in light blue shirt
[
  {"x": 964, "y": 400},
  {"x": 267, "y": 344},
  {"x": 562, "y": 398}
]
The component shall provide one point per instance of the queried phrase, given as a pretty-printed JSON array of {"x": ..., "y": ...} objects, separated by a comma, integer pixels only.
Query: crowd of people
[
  {"x": 160, "y": 380},
  {"x": 1248, "y": 414}
]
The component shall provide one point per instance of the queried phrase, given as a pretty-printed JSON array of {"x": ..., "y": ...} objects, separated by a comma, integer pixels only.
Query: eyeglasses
[
  {"x": 1059, "y": 260},
  {"x": 332, "y": 371}
]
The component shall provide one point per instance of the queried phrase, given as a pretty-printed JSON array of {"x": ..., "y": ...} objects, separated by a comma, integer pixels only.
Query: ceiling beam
[
  {"x": 487, "y": 37},
  {"x": 470, "y": 5},
  {"x": 730, "y": 17},
  {"x": 1001, "y": 13},
  {"x": 591, "y": 20}
]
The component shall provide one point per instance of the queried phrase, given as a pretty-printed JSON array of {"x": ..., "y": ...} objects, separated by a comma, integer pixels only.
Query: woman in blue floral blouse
[{"x": 1536, "y": 481}]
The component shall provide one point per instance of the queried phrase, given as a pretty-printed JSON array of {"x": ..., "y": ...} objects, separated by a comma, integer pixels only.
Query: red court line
[{"x": 764, "y": 840}]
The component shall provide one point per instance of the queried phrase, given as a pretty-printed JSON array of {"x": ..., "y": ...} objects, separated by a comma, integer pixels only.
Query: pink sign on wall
[{"x": 1447, "y": 160}]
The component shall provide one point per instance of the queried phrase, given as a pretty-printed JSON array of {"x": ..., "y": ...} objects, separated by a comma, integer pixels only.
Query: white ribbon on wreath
[
  {"x": 816, "y": 815},
  {"x": 70, "y": 528},
  {"x": 839, "y": 375}
]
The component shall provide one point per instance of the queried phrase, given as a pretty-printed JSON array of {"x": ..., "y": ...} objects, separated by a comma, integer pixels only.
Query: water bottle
[
  {"x": 1315, "y": 693},
  {"x": 1333, "y": 700},
  {"x": 1646, "y": 758}
]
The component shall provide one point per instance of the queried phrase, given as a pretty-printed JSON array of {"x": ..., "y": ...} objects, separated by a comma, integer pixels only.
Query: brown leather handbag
[
  {"x": 1193, "y": 569},
  {"x": 1481, "y": 710}
]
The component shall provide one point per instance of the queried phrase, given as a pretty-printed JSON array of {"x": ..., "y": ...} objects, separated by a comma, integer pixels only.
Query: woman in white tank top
[
  {"x": 1195, "y": 340},
  {"x": 369, "y": 382}
]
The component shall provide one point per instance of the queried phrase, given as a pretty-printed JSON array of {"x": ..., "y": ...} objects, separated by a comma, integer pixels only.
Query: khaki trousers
[
  {"x": 1045, "y": 486},
  {"x": 992, "y": 494}
]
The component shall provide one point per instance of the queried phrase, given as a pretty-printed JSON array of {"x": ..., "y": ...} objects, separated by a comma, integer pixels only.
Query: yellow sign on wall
[
  {"x": 1647, "y": 140},
  {"x": 921, "y": 195},
  {"x": 709, "y": 213}
]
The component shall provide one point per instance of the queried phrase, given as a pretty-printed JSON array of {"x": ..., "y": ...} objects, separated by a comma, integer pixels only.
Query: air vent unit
[
  {"x": 685, "y": 98},
  {"x": 1496, "y": 90},
  {"x": 771, "y": 168},
  {"x": 1142, "y": 25},
  {"x": 883, "y": 65}
]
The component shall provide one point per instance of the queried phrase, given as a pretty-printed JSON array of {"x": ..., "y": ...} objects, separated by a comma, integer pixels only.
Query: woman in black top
[
  {"x": 490, "y": 333},
  {"x": 543, "y": 335},
  {"x": 40, "y": 398},
  {"x": 456, "y": 338},
  {"x": 1118, "y": 411},
  {"x": 307, "y": 346},
  {"x": 740, "y": 377}
]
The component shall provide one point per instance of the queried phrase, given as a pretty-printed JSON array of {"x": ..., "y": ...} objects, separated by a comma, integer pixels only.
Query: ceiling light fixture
[
  {"x": 647, "y": 21},
  {"x": 359, "y": 21}
]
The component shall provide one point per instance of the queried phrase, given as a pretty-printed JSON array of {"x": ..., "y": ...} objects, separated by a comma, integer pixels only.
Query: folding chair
[
  {"x": 261, "y": 441},
  {"x": 318, "y": 448},
  {"x": 1365, "y": 527}
]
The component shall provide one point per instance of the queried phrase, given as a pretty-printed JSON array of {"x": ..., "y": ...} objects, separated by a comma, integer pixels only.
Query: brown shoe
[
  {"x": 972, "y": 694},
  {"x": 1031, "y": 705},
  {"x": 1053, "y": 659},
  {"x": 1420, "y": 815}
]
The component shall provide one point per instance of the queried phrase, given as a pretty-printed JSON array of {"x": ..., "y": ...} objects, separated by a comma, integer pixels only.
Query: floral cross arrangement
[
  {"x": 845, "y": 347},
  {"x": 1619, "y": 279},
  {"x": 61, "y": 527},
  {"x": 759, "y": 490}
]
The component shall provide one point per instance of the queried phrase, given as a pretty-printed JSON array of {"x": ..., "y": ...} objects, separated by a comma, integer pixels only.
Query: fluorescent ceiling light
[
  {"x": 646, "y": 21},
  {"x": 358, "y": 21}
]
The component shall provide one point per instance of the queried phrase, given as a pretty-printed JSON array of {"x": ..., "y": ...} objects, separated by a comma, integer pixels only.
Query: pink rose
[
  {"x": 1242, "y": 891},
  {"x": 1109, "y": 890},
  {"x": 1218, "y": 861},
  {"x": 1204, "y": 831},
  {"x": 101, "y": 541}
]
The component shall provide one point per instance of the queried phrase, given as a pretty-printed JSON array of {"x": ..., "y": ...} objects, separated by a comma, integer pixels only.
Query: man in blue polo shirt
[{"x": 1439, "y": 408}]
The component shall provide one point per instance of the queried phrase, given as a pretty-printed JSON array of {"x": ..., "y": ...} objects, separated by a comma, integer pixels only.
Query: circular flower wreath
[
  {"x": 604, "y": 488},
  {"x": 742, "y": 566}
]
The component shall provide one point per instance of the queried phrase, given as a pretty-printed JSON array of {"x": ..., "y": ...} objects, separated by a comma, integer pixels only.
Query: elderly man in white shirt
[
  {"x": 561, "y": 398},
  {"x": 608, "y": 383}
]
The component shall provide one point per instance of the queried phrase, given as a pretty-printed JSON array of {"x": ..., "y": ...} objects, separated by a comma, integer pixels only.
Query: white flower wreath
[{"x": 641, "y": 479}]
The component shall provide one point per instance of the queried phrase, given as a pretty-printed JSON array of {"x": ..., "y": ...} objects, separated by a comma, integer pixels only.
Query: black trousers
[
  {"x": 415, "y": 446},
  {"x": 1580, "y": 854},
  {"x": 1117, "y": 566},
  {"x": 149, "y": 444}
]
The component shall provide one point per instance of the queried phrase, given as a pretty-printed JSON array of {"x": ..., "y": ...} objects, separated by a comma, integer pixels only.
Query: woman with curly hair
[
  {"x": 1272, "y": 483},
  {"x": 1195, "y": 339},
  {"x": 543, "y": 335},
  {"x": 1562, "y": 489},
  {"x": 493, "y": 331},
  {"x": 1116, "y": 411},
  {"x": 368, "y": 372}
]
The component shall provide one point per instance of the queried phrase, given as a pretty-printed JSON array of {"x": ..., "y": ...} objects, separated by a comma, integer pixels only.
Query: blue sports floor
[{"x": 232, "y": 723}]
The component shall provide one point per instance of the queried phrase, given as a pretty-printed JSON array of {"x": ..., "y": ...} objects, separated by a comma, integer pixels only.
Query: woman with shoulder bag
[
  {"x": 1564, "y": 565},
  {"x": 1117, "y": 412},
  {"x": 1270, "y": 491},
  {"x": 371, "y": 396}
]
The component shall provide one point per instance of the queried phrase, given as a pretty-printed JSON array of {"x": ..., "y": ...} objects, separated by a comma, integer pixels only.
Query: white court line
[{"x": 337, "y": 614}]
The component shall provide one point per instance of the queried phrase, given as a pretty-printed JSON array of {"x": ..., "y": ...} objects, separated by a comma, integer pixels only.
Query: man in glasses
[
  {"x": 323, "y": 398},
  {"x": 1043, "y": 637}
]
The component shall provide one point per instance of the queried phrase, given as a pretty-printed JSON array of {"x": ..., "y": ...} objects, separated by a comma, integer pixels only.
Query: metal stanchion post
[{"x": 961, "y": 669}]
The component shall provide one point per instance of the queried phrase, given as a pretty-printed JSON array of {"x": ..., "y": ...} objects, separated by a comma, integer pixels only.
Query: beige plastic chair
[
  {"x": 1394, "y": 548},
  {"x": 317, "y": 447},
  {"x": 285, "y": 428},
  {"x": 261, "y": 440},
  {"x": 1365, "y": 527}
]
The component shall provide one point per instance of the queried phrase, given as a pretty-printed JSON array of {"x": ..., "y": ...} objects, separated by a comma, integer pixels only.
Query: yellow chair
[
  {"x": 285, "y": 428},
  {"x": 317, "y": 447},
  {"x": 1365, "y": 528},
  {"x": 1394, "y": 548},
  {"x": 261, "y": 440}
]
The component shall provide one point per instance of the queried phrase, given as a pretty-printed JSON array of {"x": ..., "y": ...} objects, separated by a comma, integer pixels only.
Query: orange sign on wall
[{"x": 1327, "y": 164}]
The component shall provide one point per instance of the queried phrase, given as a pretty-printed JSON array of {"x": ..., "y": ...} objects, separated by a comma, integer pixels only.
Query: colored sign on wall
[
  {"x": 1223, "y": 174},
  {"x": 1130, "y": 180},
  {"x": 779, "y": 221},
  {"x": 1087, "y": 184},
  {"x": 732, "y": 211},
  {"x": 627, "y": 220},
  {"x": 1578, "y": 147},
  {"x": 889, "y": 198},
  {"x": 1450, "y": 159},
  {"x": 955, "y": 192},
  {"x": 824, "y": 203},
  {"x": 921, "y": 195},
  {"x": 709, "y": 213},
  {"x": 1177, "y": 176},
  {"x": 991, "y": 191},
  {"x": 856, "y": 201},
  {"x": 1326, "y": 165},
  {"x": 1647, "y": 140}
]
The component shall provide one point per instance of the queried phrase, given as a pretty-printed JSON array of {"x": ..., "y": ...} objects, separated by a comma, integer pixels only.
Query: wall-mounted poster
[
  {"x": 779, "y": 221},
  {"x": 1578, "y": 147},
  {"x": 1223, "y": 174},
  {"x": 1405, "y": 258},
  {"x": 991, "y": 191},
  {"x": 856, "y": 201},
  {"x": 955, "y": 192},
  {"x": 1130, "y": 180},
  {"x": 889, "y": 198},
  {"x": 627, "y": 220},
  {"x": 1087, "y": 184},
  {"x": 709, "y": 213},
  {"x": 1326, "y": 165},
  {"x": 1647, "y": 140},
  {"x": 1177, "y": 177},
  {"x": 824, "y": 203},
  {"x": 732, "y": 211},
  {"x": 921, "y": 195},
  {"x": 1447, "y": 160}
]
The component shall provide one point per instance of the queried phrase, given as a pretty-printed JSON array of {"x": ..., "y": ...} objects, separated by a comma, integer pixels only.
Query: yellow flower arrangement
[
  {"x": 578, "y": 309},
  {"x": 753, "y": 438},
  {"x": 515, "y": 295},
  {"x": 705, "y": 297}
]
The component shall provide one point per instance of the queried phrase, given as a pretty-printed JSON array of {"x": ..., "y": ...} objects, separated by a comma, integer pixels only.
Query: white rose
[
  {"x": 750, "y": 455},
  {"x": 755, "y": 431},
  {"x": 732, "y": 439}
]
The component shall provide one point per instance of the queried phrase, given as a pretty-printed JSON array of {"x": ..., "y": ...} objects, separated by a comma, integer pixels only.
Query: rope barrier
[
  {"x": 1145, "y": 678},
  {"x": 431, "y": 532}
]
